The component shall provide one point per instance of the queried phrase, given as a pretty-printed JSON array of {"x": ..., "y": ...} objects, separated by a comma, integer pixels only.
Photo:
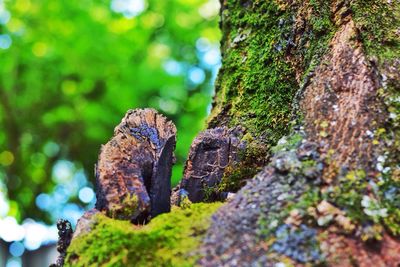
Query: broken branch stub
[
  {"x": 210, "y": 154},
  {"x": 133, "y": 172}
]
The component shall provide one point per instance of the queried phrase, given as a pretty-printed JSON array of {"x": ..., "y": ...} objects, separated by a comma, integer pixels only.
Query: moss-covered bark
[
  {"x": 329, "y": 68},
  {"x": 322, "y": 77},
  {"x": 267, "y": 47}
]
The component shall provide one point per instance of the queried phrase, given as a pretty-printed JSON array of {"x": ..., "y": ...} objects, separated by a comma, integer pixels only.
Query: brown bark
[
  {"x": 339, "y": 107},
  {"x": 134, "y": 168}
]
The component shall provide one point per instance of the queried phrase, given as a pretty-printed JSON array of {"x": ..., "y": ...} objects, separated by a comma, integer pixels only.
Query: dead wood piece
[
  {"x": 134, "y": 168},
  {"x": 210, "y": 153}
]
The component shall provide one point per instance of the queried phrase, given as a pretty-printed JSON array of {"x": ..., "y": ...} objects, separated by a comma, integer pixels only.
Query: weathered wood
[
  {"x": 134, "y": 168},
  {"x": 210, "y": 154}
]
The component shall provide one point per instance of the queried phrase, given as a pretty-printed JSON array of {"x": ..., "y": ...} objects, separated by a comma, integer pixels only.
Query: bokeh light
[
  {"x": 38, "y": 234},
  {"x": 69, "y": 72},
  {"x": 14, "y": 262},
  {"x": 86, "y": 195},
  {"x": 196, "y": 75},
  {"x": 17, "y": 249},
  {"x": 129, "y": 8},
  {"x": 5, "y": 41},
  {"x": 10, "y": 230}
]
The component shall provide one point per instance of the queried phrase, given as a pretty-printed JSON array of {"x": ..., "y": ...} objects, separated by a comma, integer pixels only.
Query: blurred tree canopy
[{"x": 69, "y": 70}]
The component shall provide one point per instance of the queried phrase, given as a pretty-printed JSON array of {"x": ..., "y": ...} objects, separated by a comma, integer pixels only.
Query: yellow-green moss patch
[{"x": 168, "y": 240}]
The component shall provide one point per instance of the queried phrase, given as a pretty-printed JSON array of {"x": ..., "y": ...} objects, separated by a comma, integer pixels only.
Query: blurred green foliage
[{"x": 69, "y": 70}]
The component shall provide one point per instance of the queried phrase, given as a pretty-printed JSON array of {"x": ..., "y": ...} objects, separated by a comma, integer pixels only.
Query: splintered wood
[{"x": 134, "y": 168}]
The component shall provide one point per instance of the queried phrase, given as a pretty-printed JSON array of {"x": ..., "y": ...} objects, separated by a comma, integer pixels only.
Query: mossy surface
[
  {"x": 169, "y": 239},
  {"x": 313, "y": 41},
  {"x": 255, "y": 84},
  {"x": 270, "y": 50},
  {"x": 124, "y": 209},
  {"x": 379, "y": 23},
  {"x": 251, "y": 160},
  {"x": 263, "y": 52},
  {"x": 371, "y": 203},
  {"x": 358, "y": 205},
  {"x": 267, "y": 59}
]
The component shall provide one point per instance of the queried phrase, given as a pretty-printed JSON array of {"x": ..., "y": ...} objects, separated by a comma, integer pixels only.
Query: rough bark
[
  {"x": 211, "y": 153},
  {"x": 333, "y": 59},
  {"x": 341, "y": 106},
  {"x": 133, "y": 172}
]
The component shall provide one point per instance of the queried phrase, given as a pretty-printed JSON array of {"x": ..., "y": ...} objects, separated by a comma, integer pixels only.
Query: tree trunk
[
  {"x": 324, "y": 74},
  {"x": 308, "y": 99}
]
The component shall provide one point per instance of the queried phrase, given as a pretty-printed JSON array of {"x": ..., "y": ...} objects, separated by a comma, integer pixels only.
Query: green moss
[
  {"x": 320, "y": 21},
  {"x": 254, "y": 79},
  {"x": 388, "y": 138},
  {"x": 256, "y": 84},
  {"x": 389, "y": 194},
  {"x": 125, "y": 208},
  {"x": 309, "y": 199},
  {"x": 252, "y": 159},
  {"x": 315, "y": 39},
  {"x": 389, "y": 161},
  {"x": 348, "y": 195},
  {"x": 263, "y": 52},
  {"x": 234, "y": 178},
  {"x": 168, "y": 240},
  {"x": 369, "y": 205},
  {"x": 378, "y": 22}
]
